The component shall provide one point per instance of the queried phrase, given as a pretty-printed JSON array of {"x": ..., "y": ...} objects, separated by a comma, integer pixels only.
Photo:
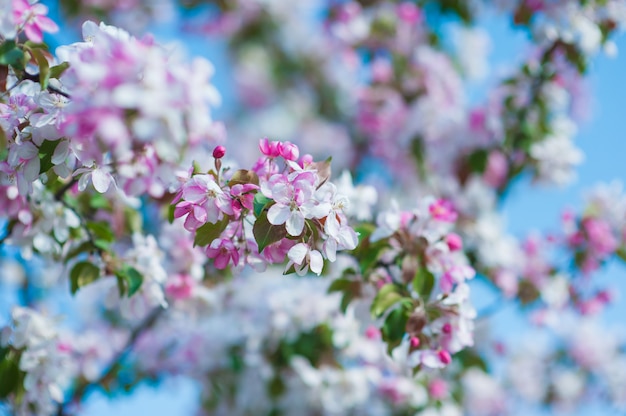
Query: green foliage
[
  {"x": 350, "y": 289},
  {"x": 12, "y": 55},
  {"x": 261, "y": 202},
  {"x": 82, "y": 274},
  {"x": 102, "y": 233},
  {"x": 423, "y": 282},
  {"x": 266, "y": 233},
  {"x": 367, "y": 253},
  {"x": 44, "y": 67},
  {"x": 209, "y": 232},
  {"x": 129, "y": 280},
  {"x": 394, "y": 328},
  {"x": 386, "y": 297},
  {"x": 46, "y": 150},
  {"x": 9, "y": 377}
]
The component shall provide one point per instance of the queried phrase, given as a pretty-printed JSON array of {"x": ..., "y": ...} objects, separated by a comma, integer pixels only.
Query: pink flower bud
[
  {"x": 454, "y": 242},
  {"x": 415, "y": 342},
  {"x": 445, "y": 357},
  {"x": 306, "y": 160},
  {"x": 289, "y": 151},
  {"x": 271, "y": 149},
  {"x": 447, "y": 328},
  {"x": 219, "y": 152}
]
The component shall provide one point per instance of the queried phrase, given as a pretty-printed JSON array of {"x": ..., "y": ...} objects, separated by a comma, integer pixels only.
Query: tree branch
[{"x": 81, "y": 390}]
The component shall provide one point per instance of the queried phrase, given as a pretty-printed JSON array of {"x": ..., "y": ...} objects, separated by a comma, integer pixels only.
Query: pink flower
[
  {"x": 32, "y": 18},
  {"x": 438, "y": 389},
  {"x": 180, "y": 286},
  {"x": 289, "y": 151},
  {"x": 269, "y": 149},
  {"x": 223, "y": 251},
  {"x": 209, "y": 201},
  {"x": 409, "y": 12},
  {"x": 442, "y": 210}
]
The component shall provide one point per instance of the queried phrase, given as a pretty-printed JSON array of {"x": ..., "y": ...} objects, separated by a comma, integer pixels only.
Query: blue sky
[{"x": 602, "y": 138}]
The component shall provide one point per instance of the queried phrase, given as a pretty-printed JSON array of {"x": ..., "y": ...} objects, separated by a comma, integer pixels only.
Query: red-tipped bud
[
  {"x": 445, "y": 357},
  {"x": 415, "y": 342},
  {"x": 454, "y": 242},
  {"x": 219, "y": 152}
]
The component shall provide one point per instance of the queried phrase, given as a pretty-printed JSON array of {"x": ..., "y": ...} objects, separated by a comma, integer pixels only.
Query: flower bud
[
  {"x": 415, "y": 342},
  {"x": 445, "y": 357},
  {"x": 454, "y": 242},
  {"x": 447, "y": 328},
  {"x": 219, "y": 152},
  {"x": 289, "y": 151}
]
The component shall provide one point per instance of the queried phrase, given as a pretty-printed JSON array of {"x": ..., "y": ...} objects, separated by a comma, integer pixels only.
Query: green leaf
[
  {"x": 393, "y": 329},
  {"x": 266, "y": 233},
  {"x": 82, "y": 274},
  {"x": 9, "y": 377},
  {"x": 423, "y": 282},
  {"x": 339, "y": 285},
  {"x": 44, "y": 67},
  {"x": 260, "y": 203},
  {"x": 58, "y": 70},
  {"x": 242, "y": 177},
  {"x": 170, "y": 213},
  {"x": 11, "y": 54},
  {"x": 470, "y": 358},
  {"x": 101, "y": 230},
  {"x": 621, "y": 253},
  {"x": 46, "y": 150},
  {"x": 209, "y": 232},
  {"x": 385, "y": 298},
  {"x": 478, "y": 160},
  {"x": 131, "y": 280}
]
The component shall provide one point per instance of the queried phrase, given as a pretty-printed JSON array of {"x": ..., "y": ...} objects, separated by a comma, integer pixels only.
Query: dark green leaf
[
  {"x": 46, "y": 150},
  {"x": 470, "y": 358},
  {"x": 266, "y": 233},
  {"x": 478, "y": 160},
  {"x": 339, "y": 285},
  {"x": 58, "y": 70},
  {"x": 82, "y": 274},
  {"x": 385, "y": 298},
  {"x": 44, "y": 67},
  {"x": 423, "y": 282},
  {"x": 101, "y": 230},
  {"x": 131, "y": 279},
  {"x": 170, "y": 213},
  {"x": 9, "y": 377},
  {"x": 11, "y": 54},
  {"x": 393, "y": 329},
  {"x": 260, "y": 203},
  {"x": 209, "y": 232}
]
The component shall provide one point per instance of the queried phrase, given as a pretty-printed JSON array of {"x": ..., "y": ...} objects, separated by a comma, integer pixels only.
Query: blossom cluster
[{"x": 284, "y": 207}]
